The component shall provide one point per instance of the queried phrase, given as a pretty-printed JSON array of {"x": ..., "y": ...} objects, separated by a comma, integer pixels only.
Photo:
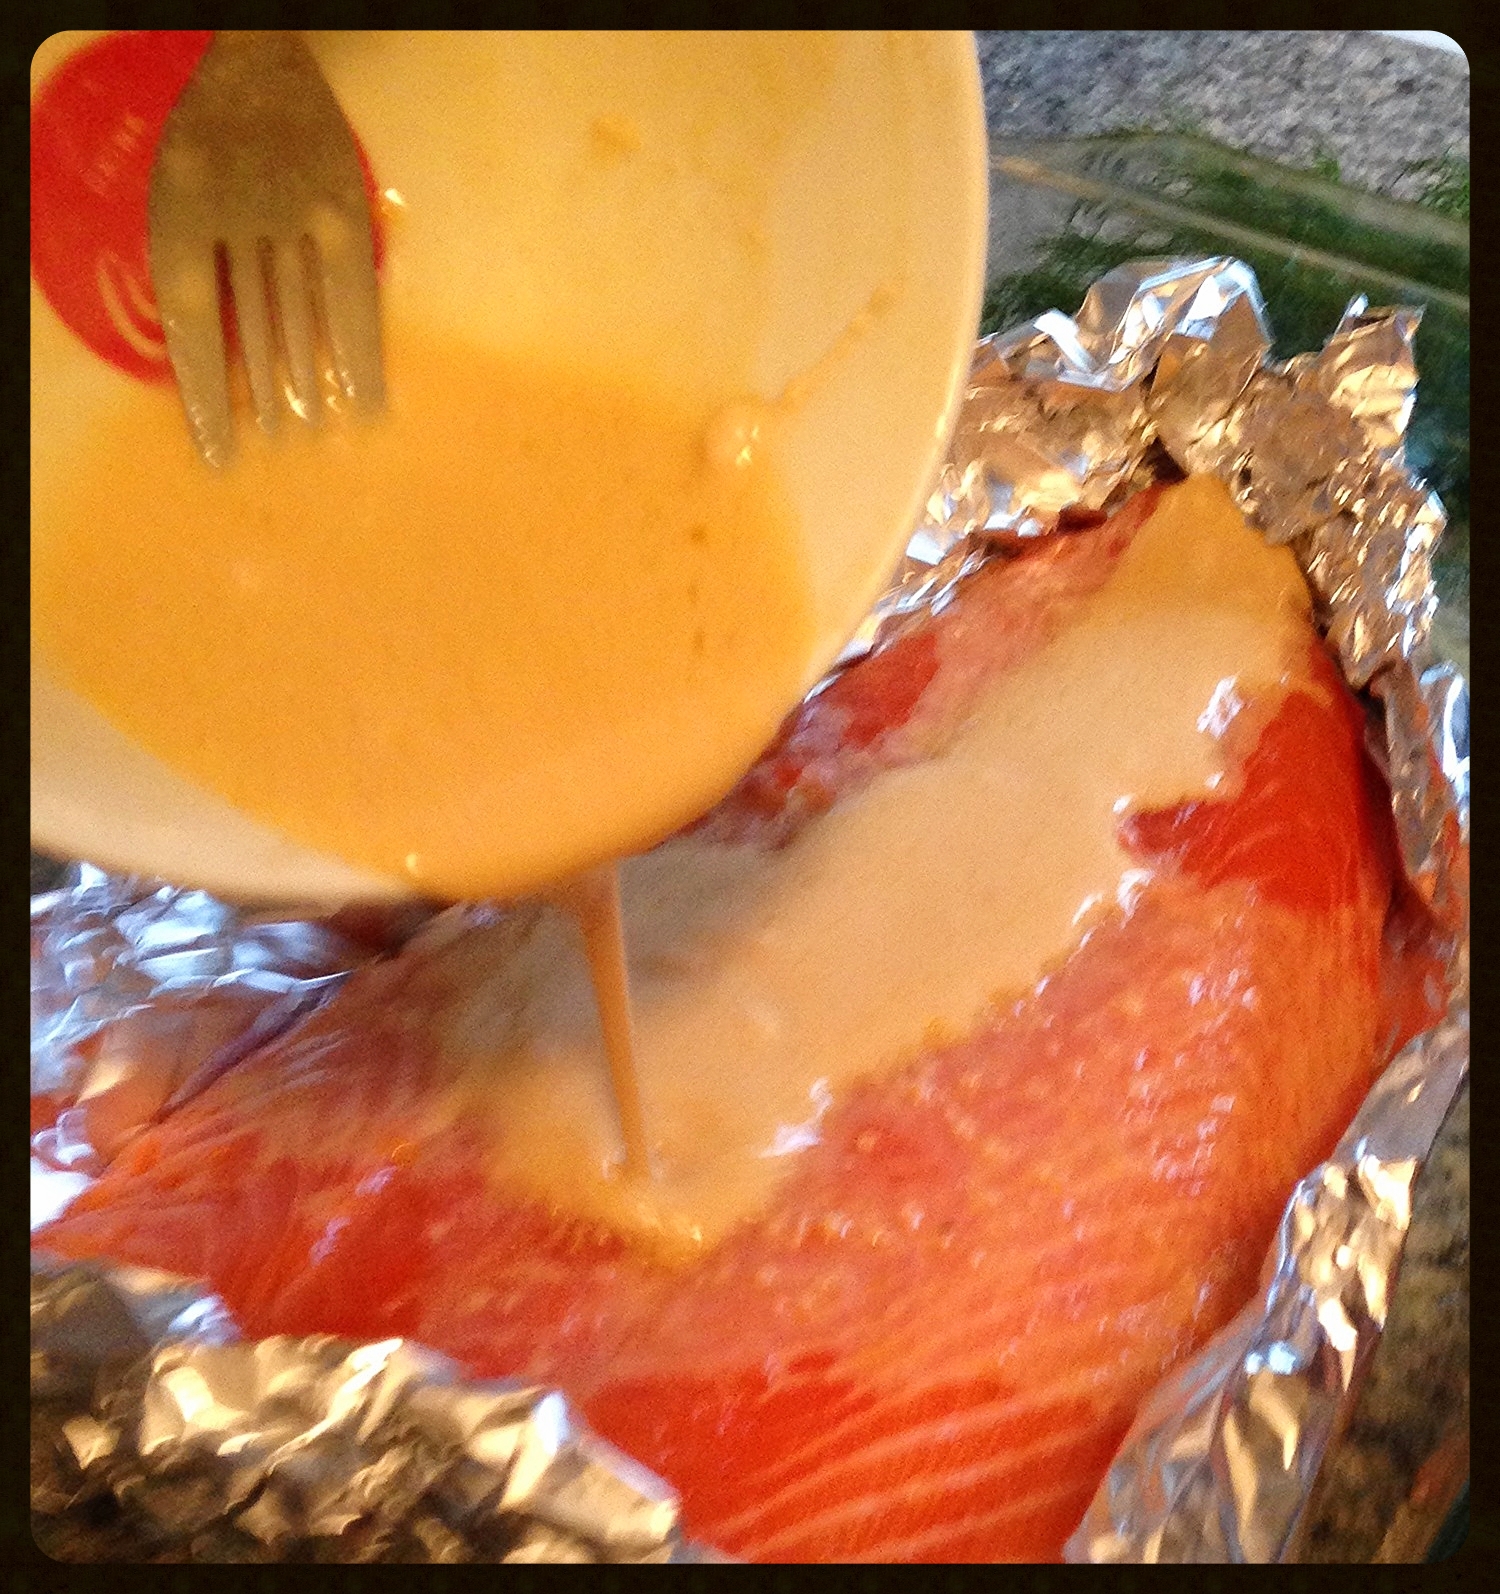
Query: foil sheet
[
  {"x": 204, "y": 1447},
  {"x": 105, "y": 949},
  {"x": 1220, "y": 1463},
  {"x": 198, "y": 1446}
]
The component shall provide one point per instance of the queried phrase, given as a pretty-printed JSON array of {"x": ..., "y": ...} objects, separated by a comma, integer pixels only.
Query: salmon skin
[{"x": 930, "y": 1344}]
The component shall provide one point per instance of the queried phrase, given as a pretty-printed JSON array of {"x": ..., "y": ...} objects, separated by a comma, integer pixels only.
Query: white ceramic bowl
[{"x": 728, "y": 267}]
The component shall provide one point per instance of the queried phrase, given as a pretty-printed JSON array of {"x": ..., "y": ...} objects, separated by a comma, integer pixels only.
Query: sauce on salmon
[
  {"x": 924, "y": 1337},
  {"x": 766, "y": 983},
  {"x": 592, "y": 901}
]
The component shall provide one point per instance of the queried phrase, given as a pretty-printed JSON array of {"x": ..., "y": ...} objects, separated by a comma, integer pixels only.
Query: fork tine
[
  {"x": 351, "y": 304},
  {"x": 248, "y": 279},
  {"x": 187, "y": 297},
  {"x": 294, "y": 310},
  {"x": 256, "y": 151}
]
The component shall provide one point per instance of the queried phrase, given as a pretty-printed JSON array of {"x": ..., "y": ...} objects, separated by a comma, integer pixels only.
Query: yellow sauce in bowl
[
  {"x": 676, "y": 324},
  {"x": 527, "y": 620}
]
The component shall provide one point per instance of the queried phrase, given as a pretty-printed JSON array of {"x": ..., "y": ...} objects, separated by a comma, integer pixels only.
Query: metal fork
[{"x": 258, "y": 167}]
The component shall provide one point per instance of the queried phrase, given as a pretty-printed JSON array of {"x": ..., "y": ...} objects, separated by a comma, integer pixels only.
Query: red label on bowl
[{"x": 95, "y": 125}]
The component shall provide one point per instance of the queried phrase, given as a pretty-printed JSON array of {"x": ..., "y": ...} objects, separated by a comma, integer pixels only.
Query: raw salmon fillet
[{"x": 930, "y": 1344}]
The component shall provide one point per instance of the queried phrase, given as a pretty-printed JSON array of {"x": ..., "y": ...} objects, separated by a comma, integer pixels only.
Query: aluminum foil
[
  {"x": 150, "y": 1415},
  {"x": 197, "y": 1446},
  {"x": 1220, "y": 1463},
  {"x": 105, "y": 948}
]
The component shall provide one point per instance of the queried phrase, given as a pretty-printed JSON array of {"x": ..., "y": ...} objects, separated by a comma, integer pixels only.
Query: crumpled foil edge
[
  {"x": 280, "y": 1449},
  {"x": 145, "y": 1400}
]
